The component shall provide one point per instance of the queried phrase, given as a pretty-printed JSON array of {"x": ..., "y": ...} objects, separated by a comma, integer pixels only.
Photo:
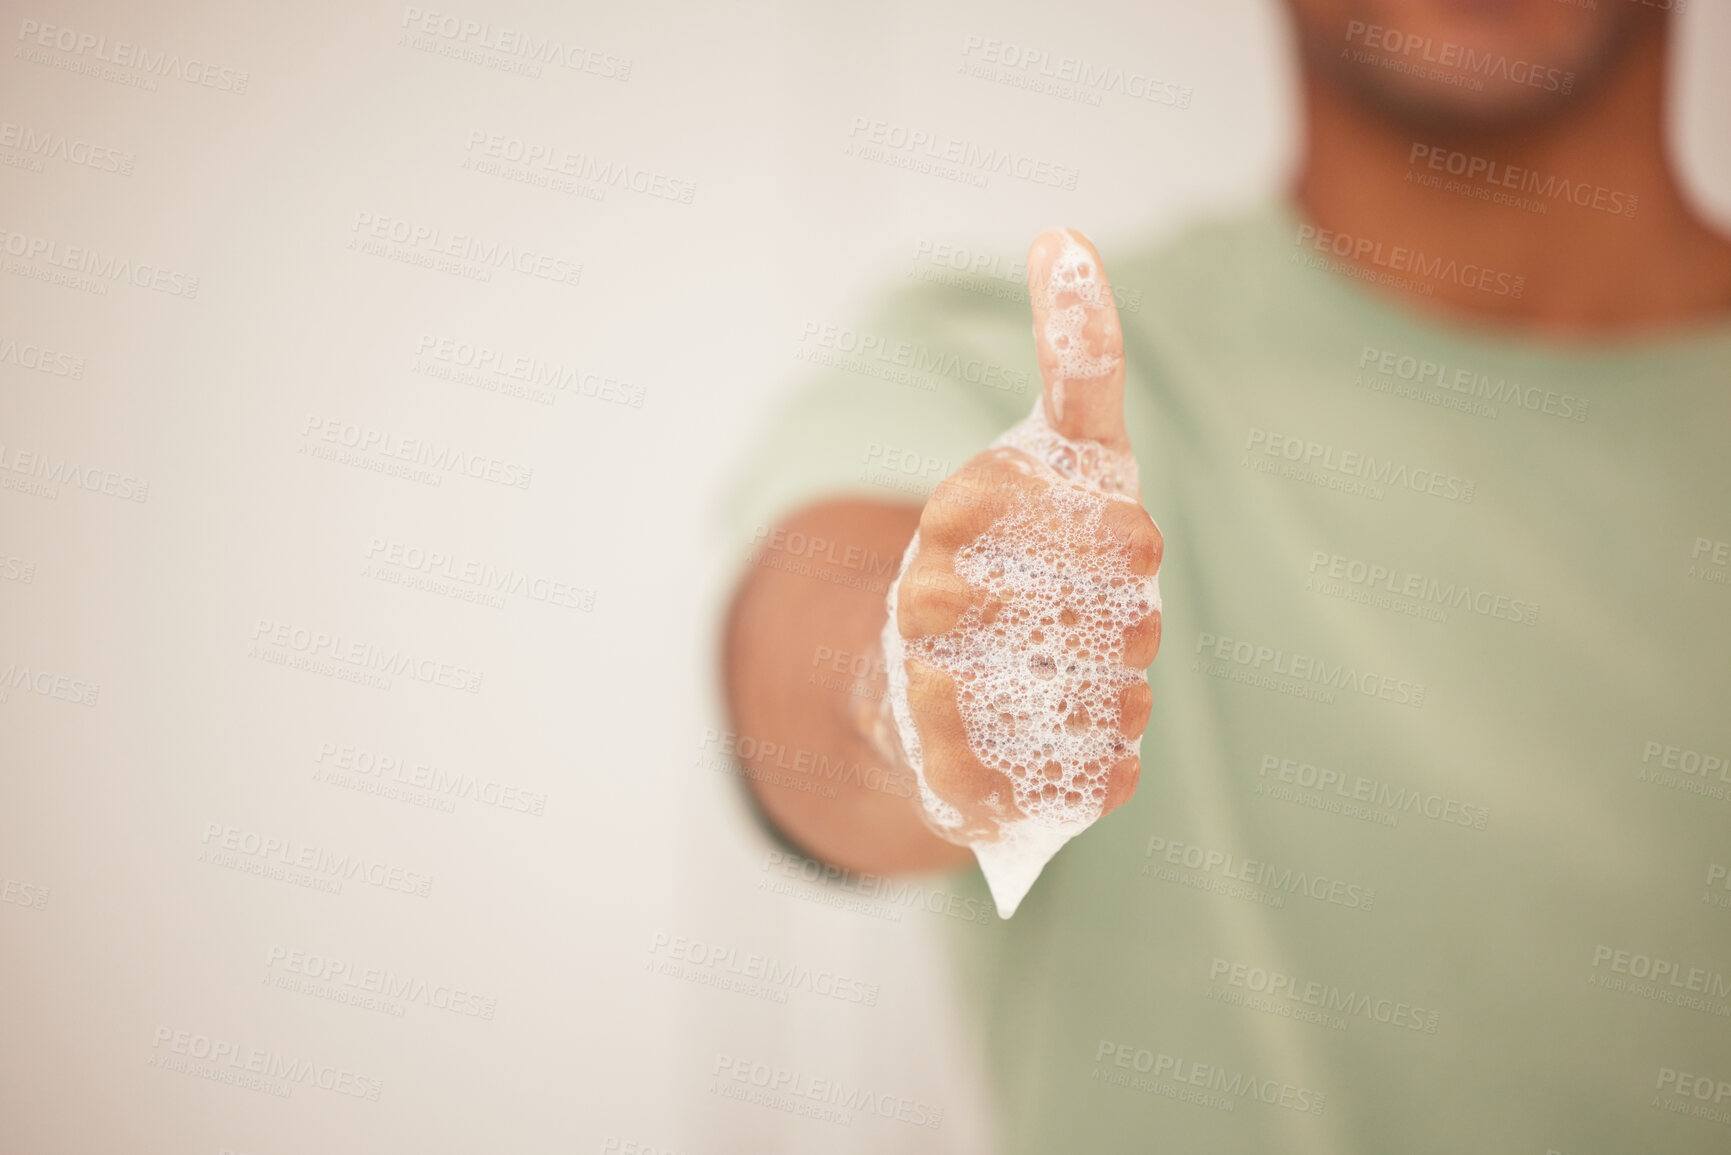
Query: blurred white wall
[{"x": 169, "y": 763}]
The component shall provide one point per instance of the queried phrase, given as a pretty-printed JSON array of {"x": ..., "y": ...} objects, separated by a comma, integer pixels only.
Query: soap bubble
[{"x": 1051, "y": 726}]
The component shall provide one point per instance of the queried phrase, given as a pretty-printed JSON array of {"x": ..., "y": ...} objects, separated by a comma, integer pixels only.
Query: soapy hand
[{"x": 1027, "y": 608}]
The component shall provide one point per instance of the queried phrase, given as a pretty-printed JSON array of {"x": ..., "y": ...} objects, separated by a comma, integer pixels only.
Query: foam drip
[{"x": 1039, "y": 684}]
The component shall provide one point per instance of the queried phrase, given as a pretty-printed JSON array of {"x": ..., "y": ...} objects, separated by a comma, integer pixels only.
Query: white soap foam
[
  {"x": 1076, "y": 272},
  {"x": 1039, "y": 685}
]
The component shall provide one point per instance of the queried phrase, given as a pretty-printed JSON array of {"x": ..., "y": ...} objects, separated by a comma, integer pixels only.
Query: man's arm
[{"x": 795, "y": 610}]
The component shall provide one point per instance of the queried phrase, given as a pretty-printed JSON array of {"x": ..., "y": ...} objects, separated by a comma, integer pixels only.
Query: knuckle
[
  {"x": 1135, "y": 706},
  {"x": 952, "y": 515},
  {"x": 1121, "y": 782},
  {"x": 979, "y": 493},
  {"x": 1135, "y": 533},
  {"x": 1144, "y": 553},
  {"x": 1152, "y": 547},
  {"x": 1142, "y": 641},
  {"x": 929, "y": 688},
  {"x": 931, "y": 599}
]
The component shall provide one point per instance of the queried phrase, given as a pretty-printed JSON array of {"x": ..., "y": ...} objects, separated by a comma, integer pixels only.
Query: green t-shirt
[{"x": 1431, "y": 843}]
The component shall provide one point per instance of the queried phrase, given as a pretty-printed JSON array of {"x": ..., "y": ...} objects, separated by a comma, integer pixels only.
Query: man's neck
[{"x": 1584, "y": 209}]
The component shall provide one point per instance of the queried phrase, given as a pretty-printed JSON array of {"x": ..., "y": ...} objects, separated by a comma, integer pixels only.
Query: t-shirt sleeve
[
  {"x": 884, "y": 410},
  {"x": 889, "y": 408}
]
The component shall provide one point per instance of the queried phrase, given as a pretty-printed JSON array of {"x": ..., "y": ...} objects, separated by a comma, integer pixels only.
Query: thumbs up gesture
[{"x": 1027, "y": 610}]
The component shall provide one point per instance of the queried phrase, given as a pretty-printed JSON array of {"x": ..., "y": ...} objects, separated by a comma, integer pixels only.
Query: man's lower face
[{"x": 1475, "y": 62}]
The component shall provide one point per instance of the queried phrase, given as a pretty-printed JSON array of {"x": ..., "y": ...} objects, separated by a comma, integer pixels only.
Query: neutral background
[{"x": 593, "y": 940}]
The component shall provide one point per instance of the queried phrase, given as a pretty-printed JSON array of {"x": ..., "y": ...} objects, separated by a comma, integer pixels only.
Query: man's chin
[
  {"x": 1432, "y": 107},
  {"x": 1468, "y": 66}
]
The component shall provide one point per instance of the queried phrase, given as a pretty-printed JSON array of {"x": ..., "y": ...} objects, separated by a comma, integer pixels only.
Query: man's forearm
[{"x": 801, "y": 610}]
